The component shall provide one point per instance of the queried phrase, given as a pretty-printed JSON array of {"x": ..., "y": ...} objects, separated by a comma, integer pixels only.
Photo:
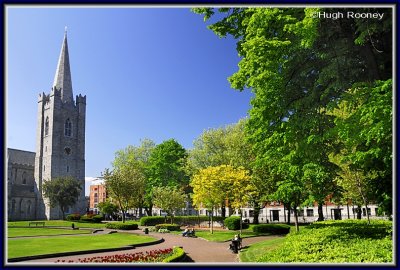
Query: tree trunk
[
  {"x": 359, "y": 211},
  {"x": 212, "y": 225},
  {"x": 240, "y": 222},
  {"x": 284, "y": 213},
  {"x": 62, "y": 213},
  {"x": 140, "y": 211},
  {"x": 288, "y": 214},
  {"x": 149, "y": 211},
  {"x": 320, "y": 212},
  {"x": 348, "y": 210},
  {"x": 296, "y": 218},
  {"x": 223, "y": 209},
  {"x": 366, "y": 210},
  {"x": 256, "y": 213},
  {"x": 123, "y": 216}
]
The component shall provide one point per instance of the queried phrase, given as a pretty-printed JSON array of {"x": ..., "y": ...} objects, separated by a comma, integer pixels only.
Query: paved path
[{"x": 198, "y": 249}]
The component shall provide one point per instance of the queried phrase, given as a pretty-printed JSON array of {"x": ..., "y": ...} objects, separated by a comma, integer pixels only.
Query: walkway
[{"x": 197, "y": 249}]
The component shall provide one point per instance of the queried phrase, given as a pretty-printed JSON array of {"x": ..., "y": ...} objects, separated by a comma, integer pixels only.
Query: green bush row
[
  {"x": 233, "y": 223},
  {"x": 85, "y": 218},
  {"x": 170, "y": 227},
  {"x": 272, "y": 228},
  {"x": 347, "y": 241},
  {"x": 181, "y": 220},
  {"x": 122, "y": 226},
  {"x": 177, "y": 255}
]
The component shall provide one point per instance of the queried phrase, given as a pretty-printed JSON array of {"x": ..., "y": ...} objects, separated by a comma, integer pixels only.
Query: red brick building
[{"x": 97, "y": 195}]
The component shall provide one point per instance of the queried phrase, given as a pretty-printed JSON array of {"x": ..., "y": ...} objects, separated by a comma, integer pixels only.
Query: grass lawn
[
  {"x": 255, "y": 251},
  {"x": 60, "y": 223},
  {"x": 38, "y": 246},
  {"x": 15, "y": 232}
]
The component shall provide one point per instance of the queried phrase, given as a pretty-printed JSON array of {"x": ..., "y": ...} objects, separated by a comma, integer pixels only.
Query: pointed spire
[{"x": 62, "y": 78}]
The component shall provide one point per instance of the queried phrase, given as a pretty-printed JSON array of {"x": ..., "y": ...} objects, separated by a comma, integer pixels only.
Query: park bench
[{"x": 36, "y": 223}]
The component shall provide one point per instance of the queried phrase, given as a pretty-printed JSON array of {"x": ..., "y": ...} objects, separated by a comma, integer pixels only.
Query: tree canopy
[
  {"x": 299, "y": 66},
  {"x": 62, "y": 192}
]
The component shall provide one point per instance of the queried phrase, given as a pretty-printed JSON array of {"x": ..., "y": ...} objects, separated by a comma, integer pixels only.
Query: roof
[{"x": 21, "y": 157}]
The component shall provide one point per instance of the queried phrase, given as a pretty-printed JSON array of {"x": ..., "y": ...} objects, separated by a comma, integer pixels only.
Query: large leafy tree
[
  {"x": 126, "y": 182},
  {"x": 136, "y": 160},
  {"x": 289, "y": 61},
  {"x": 169, "y": 199},
  {"x": 222, "y": 146},
  {"x": 222, "y": 183},
  {"x": 364, "y": 131},
  {"x": 166, "y": 167},
  {"x": 62, "y": 192}
]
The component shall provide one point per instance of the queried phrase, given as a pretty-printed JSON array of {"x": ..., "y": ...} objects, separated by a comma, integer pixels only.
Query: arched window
[
  {"x": 28, "y": 210},
  {"x": 13, "y": 206},
  {"x": 68, "y": 128},
  {"x": 24, "y": 178},
  {"x": 46, "y": 127}
]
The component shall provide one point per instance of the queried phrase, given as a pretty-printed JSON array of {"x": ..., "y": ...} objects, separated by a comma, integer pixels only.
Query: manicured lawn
[
  {"x": 15, "y": 232},
  {"x": 37, "y": 246},
  {"x": 255, "y": 251},
  {"x": 60, "y": 223}
]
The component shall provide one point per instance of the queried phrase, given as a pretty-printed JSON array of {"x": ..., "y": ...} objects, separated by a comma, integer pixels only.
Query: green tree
[
  {"x": 296, "y": 72},
  {"x": 107, "y": 208},
  {"x": 126, "y": 187},
  {"x": 62, "y": 192},
  {"x": 137, "y": 157},
  {"x": 364, "y": 131},
  {"x": 166, "y": 167},
  {"x": 222, "y": 183},
  {"x": 169, "y": 199},
  {"x": 223, "y": 146}
]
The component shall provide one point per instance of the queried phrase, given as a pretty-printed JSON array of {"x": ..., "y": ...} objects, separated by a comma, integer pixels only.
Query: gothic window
[
  {"x": 28, "y": 211},
  {"x": 68, "y": 128},
  {"x": 67, "y": 168},
  {"x": 13, "y": 206},
  {"x": 24, "y": 178},
  {"x": 46, "y": 127}
]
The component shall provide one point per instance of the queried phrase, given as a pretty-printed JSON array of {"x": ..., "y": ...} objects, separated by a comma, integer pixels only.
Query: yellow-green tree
[{"x": 220, "y": 183}]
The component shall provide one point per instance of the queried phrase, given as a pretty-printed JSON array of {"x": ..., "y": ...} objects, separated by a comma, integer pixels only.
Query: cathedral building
[{"x": 60, "y": 150}]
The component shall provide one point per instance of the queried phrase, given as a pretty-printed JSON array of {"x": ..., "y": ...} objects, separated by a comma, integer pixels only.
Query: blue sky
[{"x": 155, "y": 73}]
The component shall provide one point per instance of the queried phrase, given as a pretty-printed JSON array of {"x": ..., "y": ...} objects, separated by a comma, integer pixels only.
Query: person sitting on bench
[{"x": 185, "y": 232}]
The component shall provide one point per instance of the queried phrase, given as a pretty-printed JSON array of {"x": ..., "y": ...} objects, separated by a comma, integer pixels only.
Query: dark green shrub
[
  {"x": 233, "y": 223},
  {"x": 170, "y": 227},
  {"x": 122, "y": 226},
  {"x": 91, "y": 218},
  {"x": 74, "y": 217},
  {"x": 97, "y": 218},
  {"x": 272, "y": 228},
  {"x": 152, "y": 221}
]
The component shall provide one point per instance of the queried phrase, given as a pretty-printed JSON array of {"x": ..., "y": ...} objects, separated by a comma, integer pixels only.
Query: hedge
[
  {"x": 91, "y": 218},
  {"x": 73, "y": 217},
  {"x": 272, "y": 228},
  {"x": 181, "y": 220},
  {"x": 177, "y": 256},
  {"x": 170, "y": 227},
  {"x": 233, "y": 223},
  {"x": 122, "y": 226}
]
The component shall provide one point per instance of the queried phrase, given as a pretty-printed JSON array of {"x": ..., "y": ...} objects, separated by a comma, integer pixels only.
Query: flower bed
[{"x": 149, "y": 256}]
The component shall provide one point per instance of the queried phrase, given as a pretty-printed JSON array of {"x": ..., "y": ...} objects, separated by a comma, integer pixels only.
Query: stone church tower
[{"x": 60, "y": 143}]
